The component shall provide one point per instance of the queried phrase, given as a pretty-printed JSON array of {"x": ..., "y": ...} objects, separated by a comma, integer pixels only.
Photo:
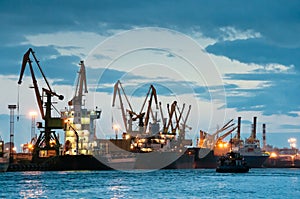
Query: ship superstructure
[{"x": 79, "y": 121}]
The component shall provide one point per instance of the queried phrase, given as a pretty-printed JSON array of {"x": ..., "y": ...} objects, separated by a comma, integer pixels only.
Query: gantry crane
[{"x": 47, "y": 142}]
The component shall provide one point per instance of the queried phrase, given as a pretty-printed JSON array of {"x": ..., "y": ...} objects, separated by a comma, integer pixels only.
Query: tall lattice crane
[
  {"x": 47, "y": 141},
  {"x": 81, "y": 88}
]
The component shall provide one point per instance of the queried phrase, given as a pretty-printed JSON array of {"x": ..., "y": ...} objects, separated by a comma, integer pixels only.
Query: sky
[{"x": 225, "y": 59}]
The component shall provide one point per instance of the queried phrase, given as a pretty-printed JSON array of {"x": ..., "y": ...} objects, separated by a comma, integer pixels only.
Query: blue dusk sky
[{"x": 224, "y": 58}]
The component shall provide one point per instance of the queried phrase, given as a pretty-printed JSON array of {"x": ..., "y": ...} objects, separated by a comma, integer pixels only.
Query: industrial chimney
[
  {"x": 239, "y": 129},
  {"x": 264, "y": 136},
  {"x": 254, "y": 128}
]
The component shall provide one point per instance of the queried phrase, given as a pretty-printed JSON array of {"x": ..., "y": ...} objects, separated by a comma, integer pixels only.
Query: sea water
[{"x": 201, "y": 183}]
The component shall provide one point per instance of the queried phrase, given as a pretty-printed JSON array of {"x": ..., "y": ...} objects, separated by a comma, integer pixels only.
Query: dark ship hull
[
  {"x": 164, "y": 160},
  {"x": 204, "y": 158},
  {"x": 60, "y": 163},
  {"x": 255, "y": 161}
]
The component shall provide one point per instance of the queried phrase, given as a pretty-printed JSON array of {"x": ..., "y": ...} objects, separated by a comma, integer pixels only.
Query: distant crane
[
  {"x": 47, "y": 140},
  {"x": 117, "y": 91},
  {"x": 152, "y": 92},
  {"x": 133, "y": 116}
]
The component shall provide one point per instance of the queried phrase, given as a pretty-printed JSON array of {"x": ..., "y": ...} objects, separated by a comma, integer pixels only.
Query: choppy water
[{"x": 258, "y": 183}]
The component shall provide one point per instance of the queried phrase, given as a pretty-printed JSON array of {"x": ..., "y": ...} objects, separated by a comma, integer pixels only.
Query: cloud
[
  {"x": 231, "y": 34},
  {"x": 257, "y": 51},
  {"x": 277, "y": 97}
]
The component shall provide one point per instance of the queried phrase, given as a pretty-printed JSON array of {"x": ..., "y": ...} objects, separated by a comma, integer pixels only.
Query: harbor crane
[
  {"x": 152, "y": 92},
  {"x": 133, "y": 116},
  {"x": 117, "y": 90},
  {"x": 81, "y": 88},
  {"x": 211, "y": 139},
  {"x": 172, "y": 112},
  {"x": 47, "y": 143}
]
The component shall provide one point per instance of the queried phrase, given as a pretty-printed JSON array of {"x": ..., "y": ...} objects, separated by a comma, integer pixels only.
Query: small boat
[{"x": 232, "y": 162}]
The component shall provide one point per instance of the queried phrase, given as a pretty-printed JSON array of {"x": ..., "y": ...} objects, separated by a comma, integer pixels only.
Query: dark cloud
[
  {"x": 279, "y": 24},
  {"x": 257, "y": 51},
  {"x": 278, "y": 98}
]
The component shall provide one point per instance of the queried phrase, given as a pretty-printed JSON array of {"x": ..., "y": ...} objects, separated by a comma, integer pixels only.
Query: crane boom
[
  {"x": 80, "y": 86},
  {"x": 226, "y": 134},
  {"x": 26, "y": 59},
  {"x": 153, "y": 94},
  {"x": 117, "y": 91}
]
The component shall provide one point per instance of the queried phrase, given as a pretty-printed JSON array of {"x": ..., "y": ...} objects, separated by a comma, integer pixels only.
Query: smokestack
[
  {"x": 239, "y": 129},
  {"x": 264, "y": 136},
  {"x": 254, "y": 127}
]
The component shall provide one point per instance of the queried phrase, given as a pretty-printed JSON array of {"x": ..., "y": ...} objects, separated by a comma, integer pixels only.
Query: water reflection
[
  {"x": 118, "y": 189},
  {"x": 31, "y": 186}
]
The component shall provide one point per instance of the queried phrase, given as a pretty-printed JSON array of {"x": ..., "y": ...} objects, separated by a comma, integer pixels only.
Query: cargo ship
[
  {"x": 250, "y": 149},
  {"x": 212, "y": 146}
]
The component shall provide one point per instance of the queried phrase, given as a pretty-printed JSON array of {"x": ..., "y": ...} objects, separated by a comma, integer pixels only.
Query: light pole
[
  {"x": 11, "y": 108},
  {"x": 116, "y": 127},
  {"x": 33, "y": 115}
]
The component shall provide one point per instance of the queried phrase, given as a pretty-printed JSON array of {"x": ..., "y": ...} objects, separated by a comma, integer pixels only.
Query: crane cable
[{"x": 18, "y": 103}]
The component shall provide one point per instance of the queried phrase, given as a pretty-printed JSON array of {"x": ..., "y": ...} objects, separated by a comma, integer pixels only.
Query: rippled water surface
[{"x": 258, "y": 183}]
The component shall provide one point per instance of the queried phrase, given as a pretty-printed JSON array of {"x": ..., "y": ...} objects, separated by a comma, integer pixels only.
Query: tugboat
[{"x": 232, "y": 162}]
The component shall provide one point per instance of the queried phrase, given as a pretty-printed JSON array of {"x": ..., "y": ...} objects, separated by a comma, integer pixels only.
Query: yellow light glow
[
  {"x": 33, "y": 113},
  {"x": 14, "y": 149},
  {"x": 273, "y": 155},
  {"x": 127, "y": 136},
  {"x": 30, "y": 146},
  {"x": 116, "y": 127}
]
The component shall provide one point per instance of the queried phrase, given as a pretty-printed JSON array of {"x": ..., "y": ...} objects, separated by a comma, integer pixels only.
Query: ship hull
[
  {"x": 61, "y": 163},
  {"x": 163, "y": 160},
  {"x": 4, "y": 167},
  {"x": 232, "y": 169},
  {"x": 255, "y": 161},
  {"x": 204, "y": 158},
  {"x": 185, "y": 161}
]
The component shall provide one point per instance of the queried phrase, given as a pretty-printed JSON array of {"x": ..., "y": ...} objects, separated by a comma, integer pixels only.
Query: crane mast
[
  {"x": 47, "y": 143},
  {"x": 153, "y": 94},
  {"x": 117, "y": 91},
  {"x": 81, "y": 85}
]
